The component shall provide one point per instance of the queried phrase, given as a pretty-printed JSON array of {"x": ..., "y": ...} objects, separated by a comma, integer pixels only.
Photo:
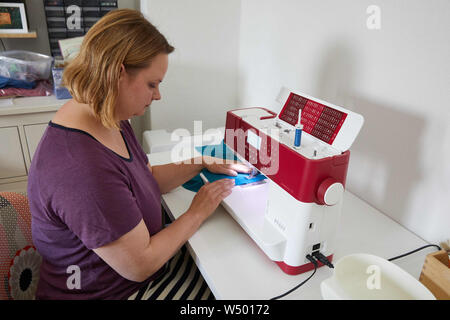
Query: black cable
[
  {"x": 314, "y": 262},
  {"x": 418, "y": 249},
  {"x": 322, "y": 258}
]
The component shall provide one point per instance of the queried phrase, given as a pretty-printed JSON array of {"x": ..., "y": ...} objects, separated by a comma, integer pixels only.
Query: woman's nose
[{"x": 157, "y": 95}]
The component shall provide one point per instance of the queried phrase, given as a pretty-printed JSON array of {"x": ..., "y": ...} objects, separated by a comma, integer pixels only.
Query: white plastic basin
[{"x": 368, "y": 277}]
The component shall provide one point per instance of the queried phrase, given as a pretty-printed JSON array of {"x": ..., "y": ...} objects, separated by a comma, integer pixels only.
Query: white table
[{"x": 235, "y": 268}]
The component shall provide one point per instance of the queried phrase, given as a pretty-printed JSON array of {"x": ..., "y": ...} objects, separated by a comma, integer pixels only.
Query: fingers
[
  {"x": 222, "y": 194},
  {"x": 230, "y": 172},
  {"x": 239, "y": 167},
  {"x": 210, "y": 195},
  {"x": 222, "y": 184},
  {"x": 233, "y": 169},
  {"x": 229, "y": 169},
  {"x": 219, "y": 187}
]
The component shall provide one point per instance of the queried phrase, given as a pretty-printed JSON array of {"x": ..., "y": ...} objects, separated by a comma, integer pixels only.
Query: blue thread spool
[
  {"x": 298, "y": 130},
  {"x": 298, "y": 136}
]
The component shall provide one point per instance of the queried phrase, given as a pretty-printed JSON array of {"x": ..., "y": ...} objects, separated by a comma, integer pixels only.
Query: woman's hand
[
  {"x": 222, "y": 166},
  {"x": 209, "y": 197}
]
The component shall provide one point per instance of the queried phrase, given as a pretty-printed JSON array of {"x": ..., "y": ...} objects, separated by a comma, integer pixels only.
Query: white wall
[
  {"x": 202, "y": 75},
  {"x": 397, "y": 77},
  {"x": 240, "y": 53}
]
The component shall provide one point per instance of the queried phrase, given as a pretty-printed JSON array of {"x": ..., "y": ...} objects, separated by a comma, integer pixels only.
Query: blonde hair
[{"x": 122, "y": 36}]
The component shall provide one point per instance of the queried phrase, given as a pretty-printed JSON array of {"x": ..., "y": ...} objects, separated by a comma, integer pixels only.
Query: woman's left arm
[{"x": 169, "y": 176}]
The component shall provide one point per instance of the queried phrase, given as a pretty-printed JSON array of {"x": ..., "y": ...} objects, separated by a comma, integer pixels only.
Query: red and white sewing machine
[{"x": 296, "y": 210}]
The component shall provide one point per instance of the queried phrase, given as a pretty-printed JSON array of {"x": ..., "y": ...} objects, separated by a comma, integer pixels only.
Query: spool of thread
[
  {"x": 298, "y": 130},
  {"x": 298, "y": 136}
]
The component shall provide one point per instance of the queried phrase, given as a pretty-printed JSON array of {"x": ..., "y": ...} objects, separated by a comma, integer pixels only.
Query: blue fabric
[
  {"x": 217, "y": 150},
  {"x": 8, "y": 82},
  {"x": 223, "y": 152}
]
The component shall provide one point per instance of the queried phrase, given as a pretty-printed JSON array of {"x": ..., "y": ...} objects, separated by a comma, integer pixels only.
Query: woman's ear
[{"x": 123, "y": 72}]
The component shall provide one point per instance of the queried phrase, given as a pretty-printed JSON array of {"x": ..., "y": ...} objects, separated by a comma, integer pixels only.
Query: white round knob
[
  {"x": 333, "y": 194},
  {"x": 330, "y": 192}
]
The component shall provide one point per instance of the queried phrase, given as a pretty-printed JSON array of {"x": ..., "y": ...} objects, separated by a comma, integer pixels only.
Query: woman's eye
[{"x": 152, "y": 85}]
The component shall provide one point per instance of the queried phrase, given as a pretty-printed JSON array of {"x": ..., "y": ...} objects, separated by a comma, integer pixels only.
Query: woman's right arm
[{"x": 137, "y": 255}]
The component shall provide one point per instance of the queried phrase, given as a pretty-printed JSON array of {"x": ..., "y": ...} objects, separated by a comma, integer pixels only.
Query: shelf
[
  {"x": 31, "y": 34},
  {"x": 21, "y": 105}
]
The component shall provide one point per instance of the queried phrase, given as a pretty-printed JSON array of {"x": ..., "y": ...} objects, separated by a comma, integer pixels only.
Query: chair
[{"x": 19, "y": 260}]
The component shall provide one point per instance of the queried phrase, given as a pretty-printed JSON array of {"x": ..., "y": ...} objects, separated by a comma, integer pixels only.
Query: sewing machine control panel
[
  {"x": 317, "y": 119},
  {"x": 284, "y": 133},
  {"x": 328, "y": 130}
]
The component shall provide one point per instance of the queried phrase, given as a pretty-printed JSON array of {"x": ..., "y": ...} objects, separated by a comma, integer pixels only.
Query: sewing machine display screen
[
  {"x": 318, "y": 120},
  {"x": 253, "y": 139}
]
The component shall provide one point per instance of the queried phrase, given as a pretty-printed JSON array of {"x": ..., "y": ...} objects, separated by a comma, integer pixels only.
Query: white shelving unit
[{"x": 22, "y": 124}]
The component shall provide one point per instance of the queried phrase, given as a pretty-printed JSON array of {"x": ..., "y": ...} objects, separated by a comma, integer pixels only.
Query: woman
[{"x": 94, "y": 198}]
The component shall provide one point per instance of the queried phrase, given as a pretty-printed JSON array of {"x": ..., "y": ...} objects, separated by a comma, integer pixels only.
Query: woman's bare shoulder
[{"x": 71, "y": 114}]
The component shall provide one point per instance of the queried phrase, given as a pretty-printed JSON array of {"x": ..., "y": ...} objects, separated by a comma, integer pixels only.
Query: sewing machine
[{"x": 295, "y": 211}]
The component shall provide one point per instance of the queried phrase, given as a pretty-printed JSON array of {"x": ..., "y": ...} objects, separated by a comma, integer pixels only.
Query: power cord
[
  {"x": 318, "y": 256},
  {"x": 322, "y": 258},
  {"x": 314, "y": 262},
  {"x": 414, "y": 251}
]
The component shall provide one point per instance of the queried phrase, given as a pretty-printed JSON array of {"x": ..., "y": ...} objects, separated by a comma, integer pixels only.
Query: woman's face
[{"x": 137, "y": 90}]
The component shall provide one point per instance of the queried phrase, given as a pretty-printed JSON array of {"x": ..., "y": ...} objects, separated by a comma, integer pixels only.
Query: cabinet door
[
  {"x": 34, "y": 134},
  {"x": 12, "y": 163}
]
